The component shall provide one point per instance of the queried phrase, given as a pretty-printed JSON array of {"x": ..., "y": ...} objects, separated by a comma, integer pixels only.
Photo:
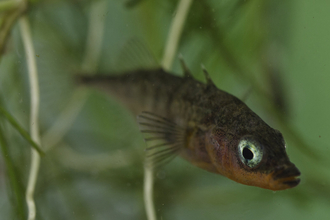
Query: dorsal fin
[
  {"x": 186, "y": 71},
  {"x": 209, "y": 81},
  {"x": 135, "y": 55},
  {"x": 163, "y": 137}
]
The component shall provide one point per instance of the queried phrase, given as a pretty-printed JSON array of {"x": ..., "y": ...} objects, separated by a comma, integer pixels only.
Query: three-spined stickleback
[{"x": 206, "y": 126}]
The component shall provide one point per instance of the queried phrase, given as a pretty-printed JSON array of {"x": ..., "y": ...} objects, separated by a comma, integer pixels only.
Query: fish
[{"x": 204, "y": 125}]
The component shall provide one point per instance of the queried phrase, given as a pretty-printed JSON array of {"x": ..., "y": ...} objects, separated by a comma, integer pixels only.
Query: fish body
[{"x": 206, "y": 126}]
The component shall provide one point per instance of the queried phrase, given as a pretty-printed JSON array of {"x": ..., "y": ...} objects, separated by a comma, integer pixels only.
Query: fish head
[{"x": 256, "y": 160}]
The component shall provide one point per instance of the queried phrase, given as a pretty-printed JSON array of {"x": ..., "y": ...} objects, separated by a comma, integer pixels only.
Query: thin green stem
[
  {"x": 9, "y": 5},
  {"x": 9, "y": 19},
  {"x": 24, "y": 134},
  {"x": 34, "y": 121},
  {"x": 13, "y": 177},
  {"x": 56, "y": 132},
  {"x": 95, "y": 35},
  {"x": 148, "y": 192},
  {"x": 91, "y": 163},
  {"x": 93, "y": 50},
  {"x": 170, "y": 51},
  {"x": 175, "y": 33}
]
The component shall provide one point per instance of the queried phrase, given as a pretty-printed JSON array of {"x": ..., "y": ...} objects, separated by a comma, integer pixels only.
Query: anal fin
[{"x": 164, "y": 138}]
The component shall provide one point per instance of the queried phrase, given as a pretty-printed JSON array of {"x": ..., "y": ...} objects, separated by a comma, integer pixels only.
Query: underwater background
[{"x": 276, "y": 51}]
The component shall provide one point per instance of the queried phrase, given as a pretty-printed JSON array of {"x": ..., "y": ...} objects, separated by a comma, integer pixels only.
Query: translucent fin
[
  {"x": 135, "y": 55},
  {"x": 185, "y": 69},
  {"x": 207, "y": 76},
  {"x": 164, "y": 138}
]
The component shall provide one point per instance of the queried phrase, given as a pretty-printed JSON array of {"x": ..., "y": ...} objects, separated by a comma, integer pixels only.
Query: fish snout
[{"x": 287, "y": 175}]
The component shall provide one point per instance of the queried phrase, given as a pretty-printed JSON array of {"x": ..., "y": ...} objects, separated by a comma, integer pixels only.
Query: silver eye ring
[{"x": 250, "y": 153}]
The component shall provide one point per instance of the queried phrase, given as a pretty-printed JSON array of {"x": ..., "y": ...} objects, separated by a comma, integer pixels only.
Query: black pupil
[{"x": 247, "y": 153}]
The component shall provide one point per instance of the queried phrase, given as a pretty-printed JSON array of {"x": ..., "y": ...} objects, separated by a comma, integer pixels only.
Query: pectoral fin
[{"x": 164, "y": 138}]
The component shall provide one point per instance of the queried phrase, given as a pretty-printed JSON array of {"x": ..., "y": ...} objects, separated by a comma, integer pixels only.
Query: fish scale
[{"x": 204, "y": 125}]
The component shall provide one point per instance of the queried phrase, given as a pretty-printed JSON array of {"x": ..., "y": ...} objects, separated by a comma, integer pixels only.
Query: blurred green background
[{"x": 277, "y": 49}]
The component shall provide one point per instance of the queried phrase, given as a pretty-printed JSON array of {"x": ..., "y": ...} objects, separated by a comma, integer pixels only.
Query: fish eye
[{"x": 250, "y": 153}]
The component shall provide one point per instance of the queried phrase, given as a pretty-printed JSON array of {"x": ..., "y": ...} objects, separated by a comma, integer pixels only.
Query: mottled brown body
[{"x": 214, "y": 124}]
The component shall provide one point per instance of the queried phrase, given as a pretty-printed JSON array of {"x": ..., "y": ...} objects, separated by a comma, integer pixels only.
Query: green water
[{"x": 239, "y": 43}]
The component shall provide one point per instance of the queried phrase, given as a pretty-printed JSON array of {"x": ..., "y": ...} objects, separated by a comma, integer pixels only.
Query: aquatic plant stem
[
  {"x": 95, "y": 162},
  {"x": 148, "y": 192},
  {"x": 17, "y": 192},
  {"x": 66, "y": 118},
  {"x": 170, "y": 50},
  {"x": 34, "y": 121},
  {"x": 95, "y": 35},
  {"x": 9, "y": 19},
  {"x": 56, "y": 132},
  {"x": 175, "y": 33},
  {"x": 24, "y": 134},
  {"x": 9, "y": 5}
]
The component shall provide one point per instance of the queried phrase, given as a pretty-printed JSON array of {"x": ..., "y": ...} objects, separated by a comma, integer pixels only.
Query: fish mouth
[
  {"x": 287, "y": 175},
  {"x": 293, "y": 182}
]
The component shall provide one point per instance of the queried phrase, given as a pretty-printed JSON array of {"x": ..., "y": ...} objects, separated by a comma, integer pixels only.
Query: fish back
[{"x": 141, "y": 90}]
